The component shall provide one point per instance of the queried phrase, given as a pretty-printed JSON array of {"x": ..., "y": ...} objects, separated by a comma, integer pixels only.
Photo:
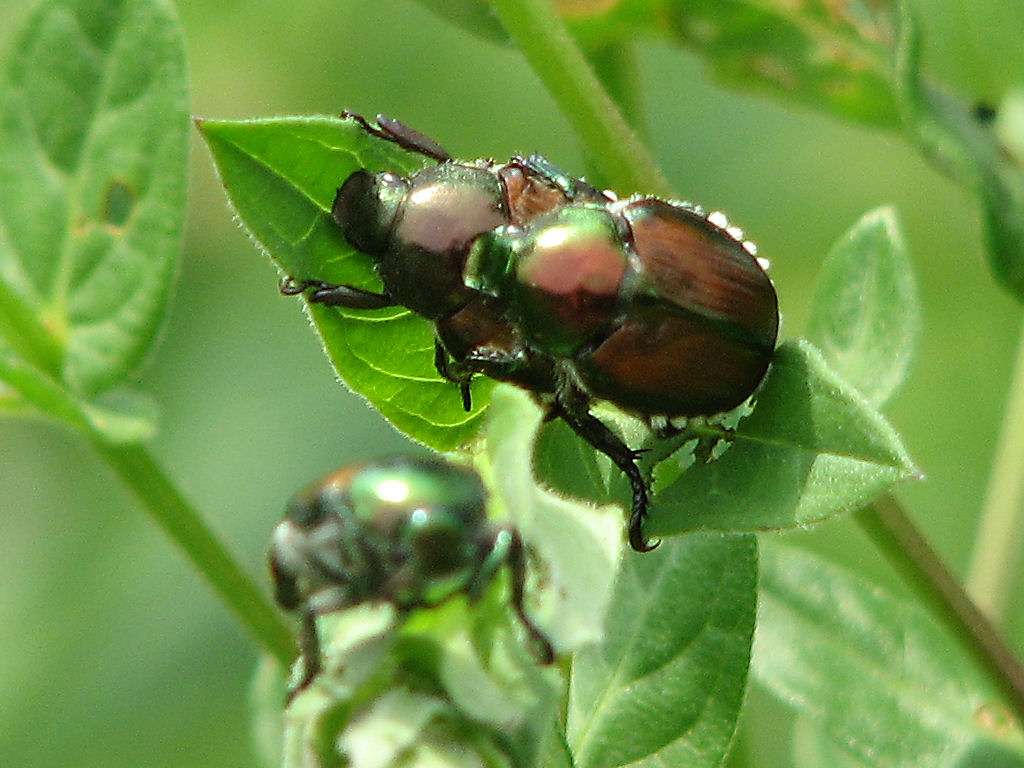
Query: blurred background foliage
[{"x": 115, "y": 653}]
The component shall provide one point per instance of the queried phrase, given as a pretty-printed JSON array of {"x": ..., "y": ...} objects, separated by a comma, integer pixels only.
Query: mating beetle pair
[
  {"x": 412, "y": 532},
  {"x": 539, "y": 279}
]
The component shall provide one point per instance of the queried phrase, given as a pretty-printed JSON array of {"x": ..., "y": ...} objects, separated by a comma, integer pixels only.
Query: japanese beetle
[
  {"x": 537, "y": 278},
  {"x": 409, "y": 531},
  {"x": 645, "y": 303}
]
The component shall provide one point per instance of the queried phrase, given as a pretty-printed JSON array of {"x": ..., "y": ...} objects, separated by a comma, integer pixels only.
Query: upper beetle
[{"x": 539, "y": 279}]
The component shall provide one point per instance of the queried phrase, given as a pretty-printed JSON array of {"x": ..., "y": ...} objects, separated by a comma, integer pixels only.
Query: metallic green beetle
[{"x": 408, "y": 531}]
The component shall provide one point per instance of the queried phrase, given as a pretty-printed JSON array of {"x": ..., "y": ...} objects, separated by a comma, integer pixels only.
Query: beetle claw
[
  {"x": 637, "y": 540},
  {"x": 289, "y": 286}
]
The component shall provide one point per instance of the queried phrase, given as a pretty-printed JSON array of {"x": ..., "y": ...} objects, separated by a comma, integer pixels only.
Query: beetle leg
[
  {"x": 517, "y": 562},
  {"x": 286, "y": 587},
  {"x": 309, "y": 652},
  {"x": 332, "y": 295},
  {"x": 401, "y": 134},
  {"x": 327, "y": 601},
  {"x": 506, "y": 546},
  {"x": 451, "y": 371},
  {"x": 574, "y": 409},
  {"x": 574, "y": 189}
]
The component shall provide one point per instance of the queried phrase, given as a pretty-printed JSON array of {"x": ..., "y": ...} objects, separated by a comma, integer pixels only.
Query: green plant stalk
[
  {"x": 165, "y": 505},
  {"x": 996, "y": 560},
  {"x": 899, "y": 539},
  {"x": 616, "y": 67},
  {"x": 186, "y": 528},
  {"x": 616, "y": 151},
  {"x": 27, "y": 336}
]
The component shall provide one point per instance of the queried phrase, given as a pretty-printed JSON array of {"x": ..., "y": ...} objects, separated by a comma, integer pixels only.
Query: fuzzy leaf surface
[
  {"x": 281, "y": 176},
  {"x": 873, "y": 672},
  {"x": 666, "y": 685},
  {"x": 580, "y": 546},
  {"x": 812, "y": 449},
  {"x": 93, "y": 147},
  {"x": 865, "y": 318}
]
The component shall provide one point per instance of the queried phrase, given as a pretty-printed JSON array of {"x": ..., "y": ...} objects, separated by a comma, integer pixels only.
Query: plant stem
[
  {"x": 895, "y": 534},
  {"x": 172, "y": 512},
  {"x": 615, "y": 66},
  {"x": 992, "y": 575},
  {"x": 22, "y": 330},
  {"x": 618, "y": 154}
]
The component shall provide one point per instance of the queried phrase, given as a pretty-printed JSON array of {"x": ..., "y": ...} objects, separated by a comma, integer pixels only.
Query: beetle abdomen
[{"x": 700, "y": 328}]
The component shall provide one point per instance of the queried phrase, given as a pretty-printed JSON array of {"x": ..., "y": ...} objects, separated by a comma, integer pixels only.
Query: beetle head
[{"x": 366, "y": 207}]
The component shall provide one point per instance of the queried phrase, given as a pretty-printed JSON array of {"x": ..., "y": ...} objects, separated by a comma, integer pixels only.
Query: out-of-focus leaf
[
  {"x": 579, "y": 546},
  {"x": 968, "y": 150},
  {"x": 120, "y": 416},
  {"x": 281, "y": 176},
  {"x": 36, "y": 389},
  {"x": 475, "y": 16},
  {"x": 666, "y": 685},
  {"x": 123, "y": 415},
  {"x": 831, "y": 56},
  {"x": 812, "y": 749},
  {"x": 266, "y": 692},
  {"x": 875, "y": 674},
  {"x": 393, "y": 725},
  {"x": 1009, "y": 124},
  {"x": 13, "y": 405},
  {"x": 811, "y": 450},
  {"x": 865, "y": 317},
  {"x": 93, "y": 140}
]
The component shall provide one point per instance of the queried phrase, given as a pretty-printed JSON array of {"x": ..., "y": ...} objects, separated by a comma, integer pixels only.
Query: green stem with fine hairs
[{"x": 613, "y": 147}]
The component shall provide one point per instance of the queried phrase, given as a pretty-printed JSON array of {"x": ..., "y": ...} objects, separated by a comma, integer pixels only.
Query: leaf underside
[
  {"x": 93, "y": 142},
  {"x": 281, "y": 176},
  {"x": 873, "y": 672}
]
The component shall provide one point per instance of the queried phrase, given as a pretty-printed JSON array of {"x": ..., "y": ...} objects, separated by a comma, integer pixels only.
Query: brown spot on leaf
[
  {"x": 995, "y": 718},
  {"x": 582, "y": 8},
  {"x": 118, "y": 204}
]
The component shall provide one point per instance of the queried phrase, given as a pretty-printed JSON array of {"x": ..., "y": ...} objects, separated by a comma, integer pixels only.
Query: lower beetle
[
  {"x": 537, "y": 278},
  {"x": 408, "y": 531}
]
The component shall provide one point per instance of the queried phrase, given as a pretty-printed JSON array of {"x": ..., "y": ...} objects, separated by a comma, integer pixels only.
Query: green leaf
[
  {"x": 14, "y": 406},
  {"x": 37, "y": 390},
  {"x": 281, "y": 176},
  {"x": 267, "y": 690},
  {"x": 474, "y": 16},
  {"x": 812, "y": 449},
  {"x": 865, "y": 317},
  {"x": 93, "y": 147},
  {"x": 579, "y": 546},
  {"x": 873, "y": 672},
  {"x": 812, "y": 749},
  {"x": 970, "y": 152},
  {"x": 123, "y": 415},
  {"x": 119, "y": 416},
  {"x": 830, "y": 56},
  {"x": 666, "y": 685}
]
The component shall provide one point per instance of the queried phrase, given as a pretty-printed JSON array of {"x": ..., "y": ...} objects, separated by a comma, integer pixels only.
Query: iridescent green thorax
[
  {"x": 656, "y": 308},
  {"x": 406, "y": 529},
  {"x": 561, "y": 277}
]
